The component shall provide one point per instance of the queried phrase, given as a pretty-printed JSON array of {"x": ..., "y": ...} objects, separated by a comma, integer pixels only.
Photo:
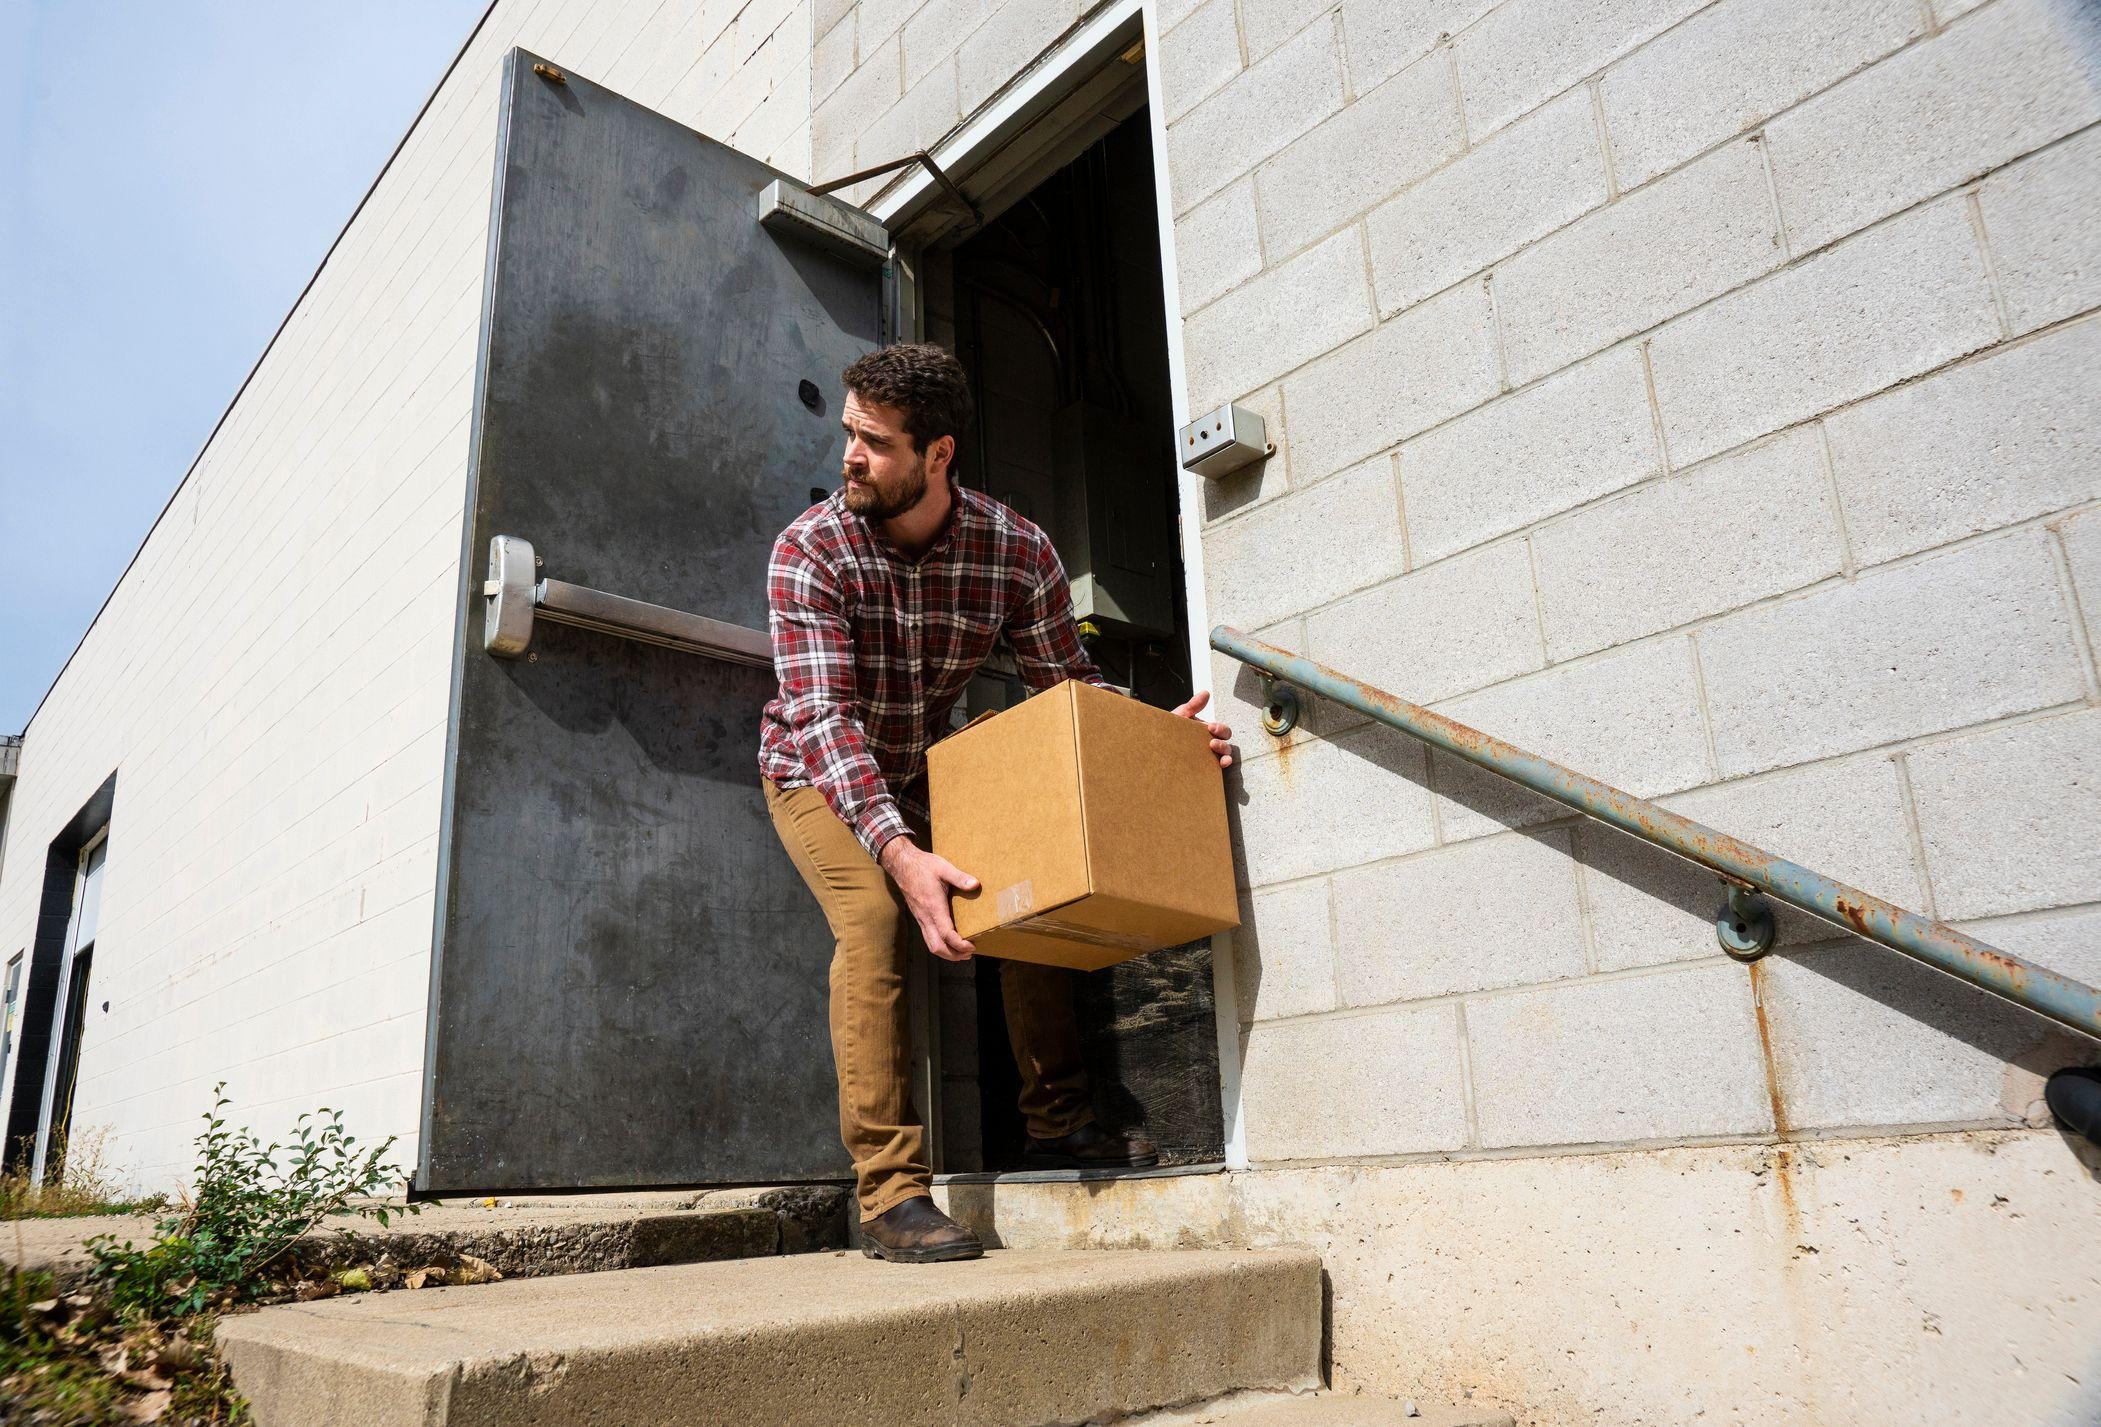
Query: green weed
[{"x": 250, "y": 1204}]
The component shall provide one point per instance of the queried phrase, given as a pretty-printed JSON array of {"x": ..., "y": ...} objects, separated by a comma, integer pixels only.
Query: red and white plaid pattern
[{"x": 873, "y": 650}]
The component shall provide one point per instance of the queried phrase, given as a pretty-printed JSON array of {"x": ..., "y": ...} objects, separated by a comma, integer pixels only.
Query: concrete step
[
  {"x": 1012, "y": 1339},
  {"x": 1320, "y": 1409}
]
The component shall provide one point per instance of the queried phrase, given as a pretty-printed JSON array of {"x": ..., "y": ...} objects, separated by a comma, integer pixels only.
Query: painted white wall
[{"x": 269, "y": 680}]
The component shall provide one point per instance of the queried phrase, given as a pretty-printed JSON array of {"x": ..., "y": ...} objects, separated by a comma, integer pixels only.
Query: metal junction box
[{"x": 1221, "y": 442}]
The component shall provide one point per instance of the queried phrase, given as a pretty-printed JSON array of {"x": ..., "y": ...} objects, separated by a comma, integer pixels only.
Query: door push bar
[{"x": 514, "y": 595}]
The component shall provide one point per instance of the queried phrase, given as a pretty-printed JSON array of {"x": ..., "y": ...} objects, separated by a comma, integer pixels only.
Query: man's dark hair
[{"x": 920, "y": 379}]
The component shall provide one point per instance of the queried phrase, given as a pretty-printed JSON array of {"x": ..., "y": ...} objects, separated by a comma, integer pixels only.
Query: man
[{"x": 884, "y": 600}]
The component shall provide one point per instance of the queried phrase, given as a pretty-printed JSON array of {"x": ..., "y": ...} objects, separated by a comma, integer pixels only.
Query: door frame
[
  {"x": 12, "y": 975},
  {"x": 909, "y": 205},
  {"x": 64, "y": 1010}
]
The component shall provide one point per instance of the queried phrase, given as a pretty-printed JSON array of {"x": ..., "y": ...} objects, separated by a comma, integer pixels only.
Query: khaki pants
[{"x": 871, "y": 1038}]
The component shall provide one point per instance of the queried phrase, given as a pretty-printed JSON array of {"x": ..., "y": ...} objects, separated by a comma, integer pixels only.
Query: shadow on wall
[{"x": 1861, "y": 1037}]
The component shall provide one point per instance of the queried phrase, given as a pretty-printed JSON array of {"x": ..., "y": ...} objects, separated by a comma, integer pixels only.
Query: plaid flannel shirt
[{"x": 873, "y": 650}]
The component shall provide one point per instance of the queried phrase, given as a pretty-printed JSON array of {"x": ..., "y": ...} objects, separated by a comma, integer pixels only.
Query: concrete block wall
[
  {"x": 269, "y": 680},
  {"x": 1699, "y": 394},
  {"x": 1697, "y": 385},
  {"x": 891, "y": 76}
]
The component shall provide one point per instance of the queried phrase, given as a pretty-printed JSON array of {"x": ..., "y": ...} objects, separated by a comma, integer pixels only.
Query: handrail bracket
[
  {"x": 1280, "y": 707},
  {"x": 1744, "y": 926}
]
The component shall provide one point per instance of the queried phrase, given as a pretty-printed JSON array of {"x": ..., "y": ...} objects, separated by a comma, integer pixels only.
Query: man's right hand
[{"x": 925, "y": 880}]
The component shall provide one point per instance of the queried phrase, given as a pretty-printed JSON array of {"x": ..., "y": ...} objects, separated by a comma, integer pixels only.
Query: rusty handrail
[{"x": 1744, "y": 925}]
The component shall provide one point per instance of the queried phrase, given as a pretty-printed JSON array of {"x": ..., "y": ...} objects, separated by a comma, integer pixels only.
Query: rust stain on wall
[
  {"x": 1783, "y": 1163},
  {"x": 1287, "y": 754},
  {"x": 1765, "y": 1051}
]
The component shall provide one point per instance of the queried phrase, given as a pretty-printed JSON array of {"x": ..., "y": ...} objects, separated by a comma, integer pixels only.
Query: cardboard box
[{"x": 1095, "y": 824}]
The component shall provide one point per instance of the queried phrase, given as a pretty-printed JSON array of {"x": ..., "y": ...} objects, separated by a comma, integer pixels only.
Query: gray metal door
[{"x": 628, "y": 984}]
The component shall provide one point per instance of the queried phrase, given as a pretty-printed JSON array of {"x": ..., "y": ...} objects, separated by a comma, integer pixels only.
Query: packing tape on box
[
  {"x": 1073, "y": 931},
  {"x": 1016, "y": 900}
]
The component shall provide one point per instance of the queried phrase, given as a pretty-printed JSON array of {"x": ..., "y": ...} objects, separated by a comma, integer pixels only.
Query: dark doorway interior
[
  {"x": 40, "y": 1002},
  {"x": 66, "y": 1075},
  {"x": 1056, "y": 307}
]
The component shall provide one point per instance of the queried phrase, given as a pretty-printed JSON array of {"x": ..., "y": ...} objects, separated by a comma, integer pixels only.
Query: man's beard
[{"x": 872, "y": 502}]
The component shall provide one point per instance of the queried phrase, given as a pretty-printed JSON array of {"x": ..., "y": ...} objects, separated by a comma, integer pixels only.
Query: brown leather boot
[
  {"x": 1091, "y": 1147},
  {"x": 916, "y": 1232}
]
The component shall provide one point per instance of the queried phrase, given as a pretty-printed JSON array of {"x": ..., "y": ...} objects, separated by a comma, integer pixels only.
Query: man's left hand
[{"x": 1221, "y": 736}]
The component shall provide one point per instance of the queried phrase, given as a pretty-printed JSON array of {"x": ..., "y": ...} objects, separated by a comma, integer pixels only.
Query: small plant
[
  {"x": 85, "y": 1183},
  {"x": 252, "y": 1202}
]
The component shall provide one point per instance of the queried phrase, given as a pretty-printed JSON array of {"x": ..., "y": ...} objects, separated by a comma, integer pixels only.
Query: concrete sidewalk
[{"x": 522, "y": 1237}]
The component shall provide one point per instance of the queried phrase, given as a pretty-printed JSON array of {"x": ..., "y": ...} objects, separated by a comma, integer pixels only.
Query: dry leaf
[
  {"x": 181, "y": 1355},
  {"x": 150, "y": 1408},
  {"x": 474, "y": 1270}
]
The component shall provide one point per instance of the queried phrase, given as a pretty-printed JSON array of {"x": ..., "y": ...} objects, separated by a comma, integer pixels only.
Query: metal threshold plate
[{"x": 1071, "y": 1176}]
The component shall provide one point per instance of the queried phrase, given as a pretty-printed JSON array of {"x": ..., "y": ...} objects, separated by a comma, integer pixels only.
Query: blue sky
[{"x": 173, "y": 171}]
